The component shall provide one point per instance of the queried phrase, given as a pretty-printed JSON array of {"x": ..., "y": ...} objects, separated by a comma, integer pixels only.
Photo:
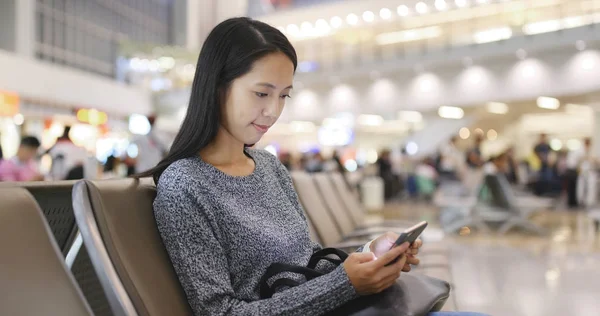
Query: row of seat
[
  {"x": 97, "y": 250},
  {"x": 488, "y": 201}
]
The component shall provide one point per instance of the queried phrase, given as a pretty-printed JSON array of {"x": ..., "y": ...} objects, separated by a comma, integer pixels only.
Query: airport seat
[
  {"x": 324, "y": 222},
  {"x": 55, "y": 200},
  {"x": 337, "y": 209},
  {"x": 504, "y": 208},
  {"x": 317, "y": 213},
  {"x": 117, "y": 224},
  {"x": 354, "y": 207},
  {"x": 34, "y": 277}
]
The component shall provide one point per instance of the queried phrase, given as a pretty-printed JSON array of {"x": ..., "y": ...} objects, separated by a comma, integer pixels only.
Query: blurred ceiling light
[
  {"x": 461, "y": 3},
  {"x": 483, "y": 1},
  {"x": 368, "y": 16},
  {"x": 528, "y": 71},
  {"x": 478, "y": 131},
  {"x": 441, "y": 5},
  {"x": 336, "y": 22},
  {"x": 351, "y": 165},
  {"x": 322, "y": 26},
  {"x": 492, "y": 35},
  {"x": 408, "y": 35},
  {"x": 306, "y": 27},
  {"x": 410, "y": 116},
  {"x": 588, "y": 62},
  {"x": 492, "y": 134},
  {"x": 464, "y": 133},
  {"x": 166, "y": 62},
  {"x": 451, "y": 112},
  {"x": 293, "y": 29},
  {"x": 542, "y": 27},
  {"x": 497, "y": 107},
  {"x": 556, "y": 144},
  {"x": 154, "y": 65},
  {"x": 402, "y": 10},
  {"x": 548, "y": 103},
  {"x": 18, "y": 119},
  {"x": 521, "y": 54},
  {"x": 302, "y": 127},
  {"x": 370, "y": 120},
  {"x": 352, "y": 19},
  {"x": 139, "y": 124},
  {"x": 421, "y": 8},
  {"x": 412, "y": 148},
  {"x": 580, "y": 45},
  {"x": 385, "y": 13},
  {"x": 372, "y": 156}
]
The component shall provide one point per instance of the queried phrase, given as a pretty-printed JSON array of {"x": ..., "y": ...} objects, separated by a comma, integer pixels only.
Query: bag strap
[
  {"x": 267, "y": 291},
  {"x": 309, "y": 272},
  {"x": 323, "y": 255}
]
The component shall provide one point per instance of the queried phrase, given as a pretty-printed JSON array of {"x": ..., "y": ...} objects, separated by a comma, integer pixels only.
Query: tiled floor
[{"x": 524, "y": 275}]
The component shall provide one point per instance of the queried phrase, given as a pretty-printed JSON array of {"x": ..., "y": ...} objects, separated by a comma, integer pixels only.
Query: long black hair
[{"x": 229, "y": 52}]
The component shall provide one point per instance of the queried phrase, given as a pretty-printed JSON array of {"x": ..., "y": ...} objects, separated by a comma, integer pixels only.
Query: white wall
[{"x": 53, "y": 83}]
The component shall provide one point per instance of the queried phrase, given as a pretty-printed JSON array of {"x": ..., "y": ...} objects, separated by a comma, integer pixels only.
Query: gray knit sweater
[{"x": 222, "y": 233}]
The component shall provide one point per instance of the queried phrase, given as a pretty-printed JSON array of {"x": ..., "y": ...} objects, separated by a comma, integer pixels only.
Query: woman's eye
[
  {"x": 261, "y": 95},
  {"x": 285, "y": 96}
]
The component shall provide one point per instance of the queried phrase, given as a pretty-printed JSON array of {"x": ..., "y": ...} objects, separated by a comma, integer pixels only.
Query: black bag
[{"x": 412, "y": 295}]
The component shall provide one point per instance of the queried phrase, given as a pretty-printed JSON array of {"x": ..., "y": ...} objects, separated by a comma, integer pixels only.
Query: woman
[{"x": 226, "y": 212}]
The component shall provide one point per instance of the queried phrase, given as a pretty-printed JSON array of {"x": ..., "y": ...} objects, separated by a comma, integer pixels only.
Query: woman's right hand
[{"x": 369, "y": 275}]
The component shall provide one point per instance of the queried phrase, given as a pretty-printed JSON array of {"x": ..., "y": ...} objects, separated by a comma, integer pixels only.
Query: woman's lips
[{"x": 261, "y": 128}]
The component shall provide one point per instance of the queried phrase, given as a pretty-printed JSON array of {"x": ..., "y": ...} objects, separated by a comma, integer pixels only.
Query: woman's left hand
[{"x": 384, "y": 243}]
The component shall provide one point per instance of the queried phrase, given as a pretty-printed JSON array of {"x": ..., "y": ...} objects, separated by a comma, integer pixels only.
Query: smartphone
[{"x": 410, "y": 235}]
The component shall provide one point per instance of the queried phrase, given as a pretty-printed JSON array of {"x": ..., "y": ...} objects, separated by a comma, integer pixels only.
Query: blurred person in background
[
  {"x": 286, "y": 160},
  {"x": 542, "y": 150},
  {"x": 151, "y": 150},
  {"x": 67, "y": 158},
  {"x": 496, "y": 165},
  {"x": 451, "y": 159},
  {"x": 391, "y": 181},
  {"x": 426, "y": 177},
  {"x": 315, "y": 163},
  {"x": 512, "y": 166},
  {"x": 22, "y": 167},
  {"x": 578, "y": 162},
  {"x": 474, "y": 158}
]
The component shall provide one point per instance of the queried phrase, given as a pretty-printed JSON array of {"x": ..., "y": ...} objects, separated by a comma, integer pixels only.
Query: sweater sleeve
[{"x": 202, "y": 267}]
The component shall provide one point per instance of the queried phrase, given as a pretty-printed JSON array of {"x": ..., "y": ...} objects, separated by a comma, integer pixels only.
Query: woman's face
[{"x": 254, "y": 101}]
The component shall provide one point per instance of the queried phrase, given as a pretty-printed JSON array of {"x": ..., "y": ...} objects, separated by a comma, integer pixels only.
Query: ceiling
[{"x": 384, "y": 32}]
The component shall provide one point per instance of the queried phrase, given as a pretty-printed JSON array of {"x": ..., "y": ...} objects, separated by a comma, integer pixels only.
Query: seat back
[
  {"x": 315, "y": 208},
  {"x": 117, "y": 224},
  {"x": 501, "y": 194},
  {"x": 350, "y": 200},
  {"x": 34, "y": 277},
  {"x": 314, "y": 236},
  {"x": 55, "y": 200},
  {"x": 334, "y": 204}
]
